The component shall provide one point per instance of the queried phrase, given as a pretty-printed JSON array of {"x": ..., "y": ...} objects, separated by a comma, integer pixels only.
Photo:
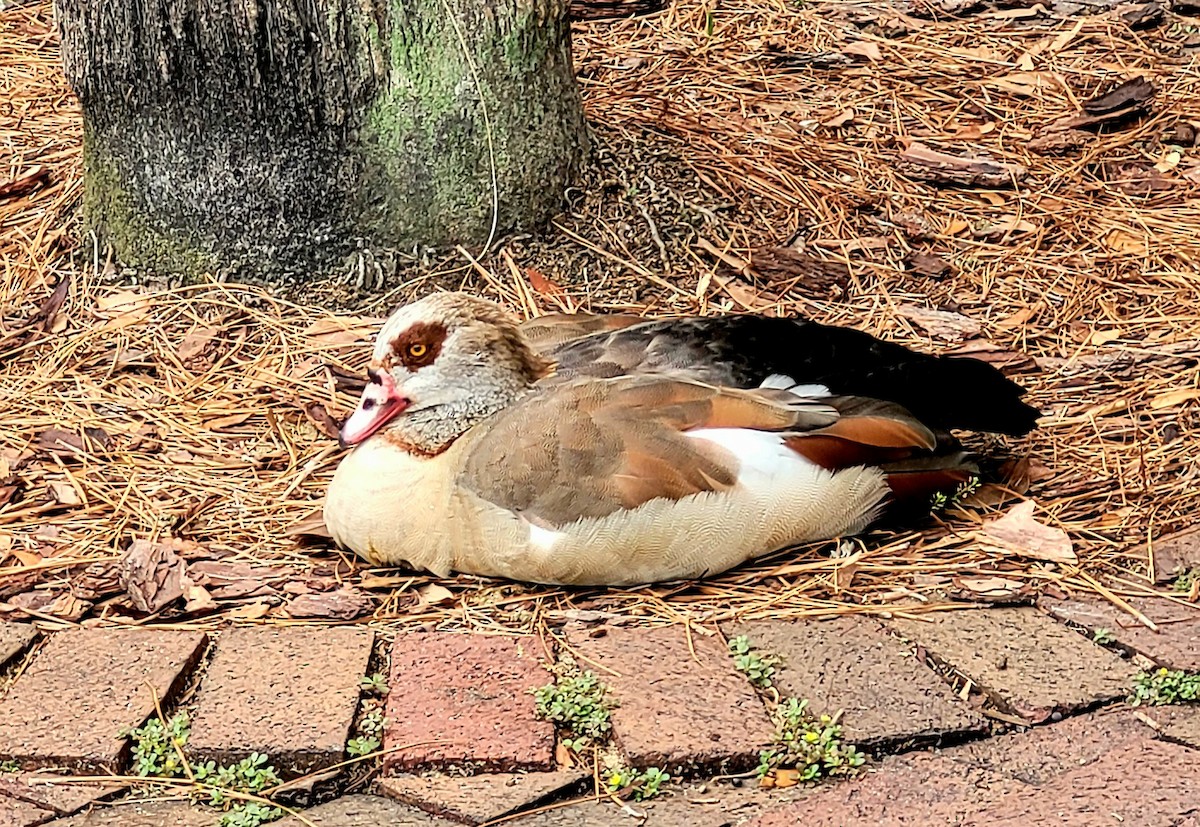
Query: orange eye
[{"x": 417, "y": 350}]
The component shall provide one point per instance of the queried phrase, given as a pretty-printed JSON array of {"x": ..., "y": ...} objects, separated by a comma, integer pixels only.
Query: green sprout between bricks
[
  {"x": 157, "y": 753},
  {"x": 810, "y": 745},
  {"x": 580, "y": 705},
  {"x": 758, "y": 667},
  {"x": 1164, "y": 686},
  {"x": 371, "y": 721}
]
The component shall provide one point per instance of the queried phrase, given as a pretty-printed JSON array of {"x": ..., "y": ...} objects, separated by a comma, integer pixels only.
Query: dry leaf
[
  {"x": 153, "y": 575},
  {"x": 1173, "y": 398},
  {"x": 541, "y": 284},
  {"x": 1017, "y": 532},
  {"x": 990, "y": 587},
  {"x": 1123, "y": 242},
  {"x": 1006, "y": 225},
  {"x": 64, "y": 493},
  {"x": 198, "y": 599},
  {"x": 251, "y": 611},
  {"x": 343, "y": 330},
  {"x": 122, "y": 309},
  {"x": 195, "y": 342},
  {"x": 941, "y": 324},
  {"x": 863, "y": 48},
  {"x": 434, "y": 595},
  {"x": 1103, "y": 337},
  {"x": 840, "y": 119},
  {"x": 1028, "y": 83},
  {"x": 223, "y": 422},
  {"x": 1019, "y": 318},
  {"x": 346, "y": 603},
  {"x": 786, "y": 778},
  {"x": 320, "y": 417}
]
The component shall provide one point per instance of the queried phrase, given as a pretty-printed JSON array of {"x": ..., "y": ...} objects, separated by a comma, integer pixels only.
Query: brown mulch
[{"x": 1018, "y": 184}]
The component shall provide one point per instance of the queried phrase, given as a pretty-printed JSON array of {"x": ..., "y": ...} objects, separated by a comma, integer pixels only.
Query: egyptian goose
[{"x": 616, "y": 450}]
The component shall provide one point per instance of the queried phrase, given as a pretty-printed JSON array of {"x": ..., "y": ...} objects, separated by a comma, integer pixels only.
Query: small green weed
[
  {"x": 641, "y": 785},
  {"x": 940, "y": 501},
  {"x": 1103, "y": 636},
  {"x": 1183, "y": 583},
  {"x": 374, "y": 684},
  {"x": 813, "y": 746},
  {"x": 371, "y": 724},
  {"x": 157, "y": 748},
  {"x": 578, "y": 702},
  {"x": 1164, "y": 686},
  {"x": 9, "y": 766},
  {"x": 759, "y": 668}
]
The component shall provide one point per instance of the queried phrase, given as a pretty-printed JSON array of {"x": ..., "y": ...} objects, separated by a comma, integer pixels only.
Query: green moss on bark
[
  {"x": 269, "y": 144},
  {"x": 113, "y": 214}
]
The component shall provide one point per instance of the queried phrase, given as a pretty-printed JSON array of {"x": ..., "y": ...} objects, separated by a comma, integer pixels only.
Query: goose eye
[{"x": 417, "y": 350}]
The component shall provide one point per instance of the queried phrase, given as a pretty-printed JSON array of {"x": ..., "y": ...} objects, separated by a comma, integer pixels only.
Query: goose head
[{"x": 439, "y": 366}]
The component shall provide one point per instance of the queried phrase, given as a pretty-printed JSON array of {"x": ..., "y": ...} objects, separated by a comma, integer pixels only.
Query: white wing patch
[
  {"x": 543, "y": 539},
  {"x": 783, "y": 382},
  {"x": 763, "y": 458}
]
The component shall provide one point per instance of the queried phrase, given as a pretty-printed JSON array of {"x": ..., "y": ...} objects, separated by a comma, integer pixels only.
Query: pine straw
[{"x": 1098, "y": 284}]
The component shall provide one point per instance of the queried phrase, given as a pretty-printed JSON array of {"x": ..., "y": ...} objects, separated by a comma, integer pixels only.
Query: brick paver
[
  {"x": 1138, "y": 781},
  {"x": 717, "y": 803},
  {"x": 363, "y": 811},
  {"x": 1037, "y": 755},
  {"x": 480, "y": 798},
  {"x": 144, "y": 814},
  {"x": 14, "y": 812},
  {"x": 14, "y": 637},
  {"x": 1176, "y": 554},
  {"x": 1179, "y": 723},
  {"x": 288, "y": 692},
  {"x": 915, "y": 790},
  {"x": 1029, "y": 661},
  {"x": 84, "y": 687},
  {"x": 582, "y": 814},
  {"x": 681, "y": 705},
  {"x": 1175, "y": 645},
  {"x": 465, "y": 699},
  {"x": 49, "y": 792},
  {"x": 852, "y": 664}
]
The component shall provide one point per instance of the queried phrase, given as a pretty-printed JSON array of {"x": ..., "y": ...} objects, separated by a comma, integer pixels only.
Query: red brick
[
  {"x": 1177, "y": 723},
  {"x": 289, "y": 692},
  {"x": 1037, "y": 755},
  {"x": 14, "y": 637},
  {"x": 1138, "y": 781},
  {"x": 52, "y": 793},
  {"x": 582, "y": 814},
  {"x": 363, "y": 811},
  {"x": 914, "y": 790},
  {"x": 460, "y": 699},
  {"x": 17, "y": 813},
  {"x": 1176, "y": 554},
  {"x": 479, "y": 798},
  {"x": 143, "y": 814},
  {"x": 1023, "y": 658},
  {"x": 84, "y": 687},
  {"x": 681, "y": 705},
  {"x": 717, "y": 803},
  {"x": 1176, "y": 644},
  {"x": 852, "y": 664}
]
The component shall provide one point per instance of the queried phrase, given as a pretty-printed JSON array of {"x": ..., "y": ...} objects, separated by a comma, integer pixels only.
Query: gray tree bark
[{"x": 268, "y": 138}]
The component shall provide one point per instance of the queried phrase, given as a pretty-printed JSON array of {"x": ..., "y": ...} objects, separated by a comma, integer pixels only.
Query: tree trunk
[{"x": 270, "y": 137}]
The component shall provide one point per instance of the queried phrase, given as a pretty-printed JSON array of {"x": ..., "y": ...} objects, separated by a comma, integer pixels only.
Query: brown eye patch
[{"x": 419, "y": 345}]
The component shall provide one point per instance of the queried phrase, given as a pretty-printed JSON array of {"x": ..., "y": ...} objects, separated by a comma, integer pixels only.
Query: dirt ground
[{"x": 956, "y": 177}]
